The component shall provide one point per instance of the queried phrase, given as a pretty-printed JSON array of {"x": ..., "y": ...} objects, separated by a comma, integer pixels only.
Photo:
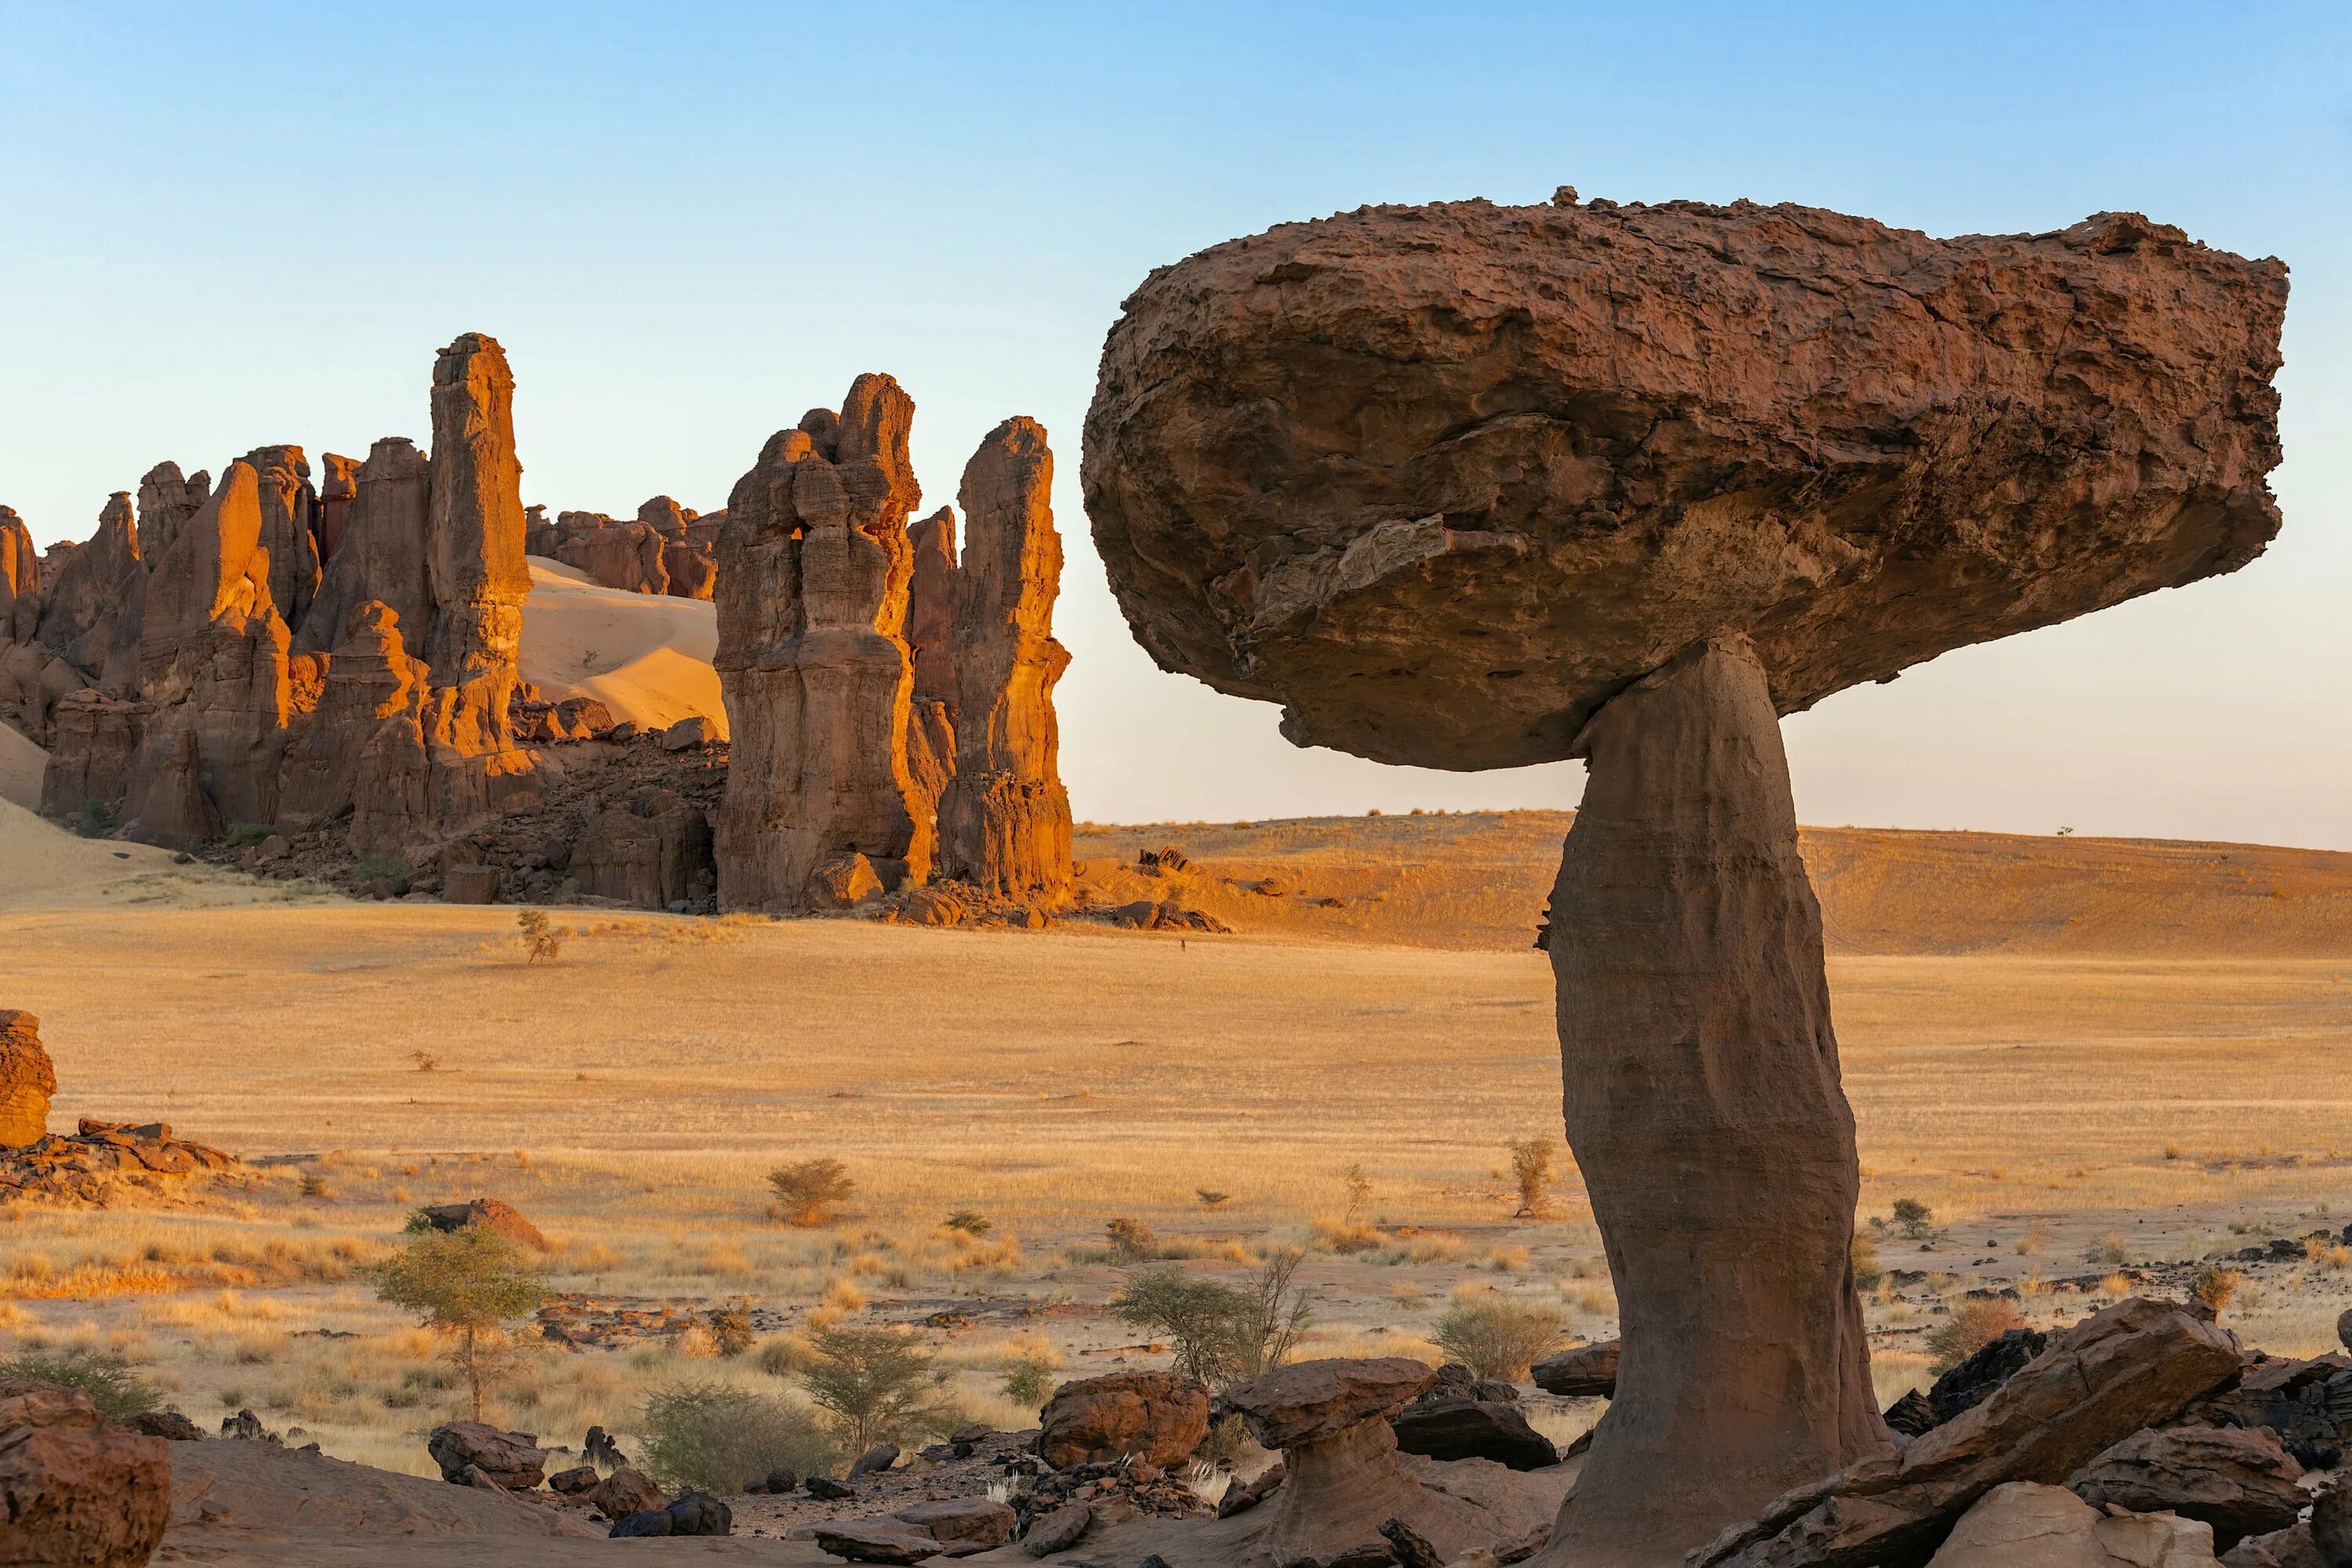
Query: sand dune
[
  {"x": 646, "y": 656},
  {"x": 20, "y": 769}
]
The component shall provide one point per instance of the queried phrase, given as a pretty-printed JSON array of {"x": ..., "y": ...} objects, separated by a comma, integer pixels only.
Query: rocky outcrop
[
  {"x": 2026, "y": 1526},
  {"x": 463, "y": 1448},
  {"x": 288, "y": 527},
  {"x": 166, "y": 502},
  {"x": 1004, "y": 817},
  {"x": 384, "y": 551},
  {"x": 1443, "y": 480},
  {"x": 623, "y": 555},
  {"x": 2132, "y": 1365},
  {"x": 2240, "y": 1483},
  {"x": 88, "y": 1164},
  {"x": 814, "y": 570},
  {"x": 1343, "y": 1482},
  {"x": 495, "y": 1216},
  {"x": 475, "y": 561},
  {"x": 1582, "y": 1371},
  {"x": 77, "y": 1490},
  {"x": 331, "y": 512},
  {"x": 931, "y": 630},
  {"x": 362, "y": 749},
  {"x": 20, "y": 579},
  {"x": 1158, "y": 1418},
  {"x": 90, "y": 613},
  {"x": 27, "y": 1078},
  {"x": 653, "y": 850}
]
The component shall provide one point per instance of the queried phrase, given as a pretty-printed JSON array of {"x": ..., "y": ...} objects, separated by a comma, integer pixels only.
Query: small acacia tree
[
  {"x": 1222, "y": 1334},
  {"x": 467, "y": 1284},
  {"x": 879, "y": 1385},
  {"x": 806, "y": 1190},
  {"x": 542, "y": 940}
]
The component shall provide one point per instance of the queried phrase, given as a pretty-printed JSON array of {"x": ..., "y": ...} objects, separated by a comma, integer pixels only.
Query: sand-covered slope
[
  {"x": 20, "y": 769},
  {"x": 1479, "y": 880},
  {"x": 646, "y": 656}
]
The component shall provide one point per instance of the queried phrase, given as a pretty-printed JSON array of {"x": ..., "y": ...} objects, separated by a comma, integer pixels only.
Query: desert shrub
[
  {"x": 877, "y": 1386},
  {"x": 543, "y": 939},
  {"x": 389, "y": 870},
  {"x": 1912, "y": 1219},
  {"x": 466, "y": 1284},
  {"x": 1863, "y": 1254},
  {"x": 1495, "y": 1336},
  {"x": 1132, "y": 1241},
  {"x": 1973, "y": 1325},
  {"x": 1222, "y": 1334},
  {"x": 112, "y": 1385},
  {"x": 1531, "y": 1169},
  {"x": 714, "y": 1438},
  {"x": 806, "y": 1190},
  {"x": 1360, "y": 1190},
  {"x": 971, "y": 1222},
  {"x": 731, "y": 1327},
  {"x": 94, "y": 819},
  {"x": 1029, "y": 1382},
  {"x": 2111, "y": 1251},
  {"x": 1344, "y": 1237},
  {"x": 2216, "y": 1287},
  {"x": 245, "y": 835},
  {"x": 1210, "y": 1198}
]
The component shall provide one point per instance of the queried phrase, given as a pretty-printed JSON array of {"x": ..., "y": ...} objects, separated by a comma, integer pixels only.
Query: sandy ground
[
  {"x": 646, "y": 656},
  {"x": 20, "y": 769}
]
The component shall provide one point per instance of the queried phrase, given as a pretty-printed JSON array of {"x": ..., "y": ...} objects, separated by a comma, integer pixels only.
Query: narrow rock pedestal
[{"x": 1704, "y": 1107}]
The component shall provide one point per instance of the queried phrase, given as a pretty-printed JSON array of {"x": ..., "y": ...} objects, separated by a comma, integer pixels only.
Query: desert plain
[{"x": 2096, "y": 1062}]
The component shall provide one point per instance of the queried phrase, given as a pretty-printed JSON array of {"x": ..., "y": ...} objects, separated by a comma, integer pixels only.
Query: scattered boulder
[
  {"x": 1166, "y": 915},
  {"x": 2240, "y": 1483},
  {"x": 2289, "y": 1548},
  {"x": 1451, "y": 1426},
  {"x": 697, "y": 1513},
  {"x": 1156, "y": 1416},
  {"x": 2134, "y": 1365},
  {"x": 1585, "y": 1372},
  {"x": 168, "y": 1424},
  {"x": 2022, "y": 1525},
  {"x": 692, "y": 731},
  {"x": 978, "y": 1523},
  {"x": 1242, "y": 1496},
  {"x": 1972, "y": 1381},
  {"x": 76, "y": 1490},
  {"x": 1060, "y": 1530},
  {"x": 512, "y": 1459},
  {"x": 496, "y": 1215},
  {"x": 470, "y": 885},
  {"x": 931, "y": 906},
  {"x": 574, "y": 1481},
  {"x": 880, "y": 1457},
  {"x": 625, "y": 1493},
  {"x": 27, "y": 1078},
  {"x": 824, "y": 1488},
  {"x": 875, "y": 1541},
  {"x": 844, "y": 883}
]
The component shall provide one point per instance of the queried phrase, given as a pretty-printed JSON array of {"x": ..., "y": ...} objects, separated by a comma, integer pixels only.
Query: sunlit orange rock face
[
  {"x": 1467, "y": 486},
  {"x": 813, "y": 571}
]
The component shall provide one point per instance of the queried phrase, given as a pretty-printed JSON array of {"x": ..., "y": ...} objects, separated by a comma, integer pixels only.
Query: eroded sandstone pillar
[
  {"x": 1703, "y": 1102},
  {"x": 1004, "y": 819},
  {"x": 475, "y": 546}
]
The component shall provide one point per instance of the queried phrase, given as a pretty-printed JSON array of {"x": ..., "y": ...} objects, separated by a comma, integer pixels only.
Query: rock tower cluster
[
  {"x": 890, "y": 706},
  {"x": 667, "y": 549},
  {"x": 250, "y": 652}
]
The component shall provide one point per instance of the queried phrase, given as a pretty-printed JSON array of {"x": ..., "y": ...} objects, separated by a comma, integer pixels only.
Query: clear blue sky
[{"x": 222, "y": 225}]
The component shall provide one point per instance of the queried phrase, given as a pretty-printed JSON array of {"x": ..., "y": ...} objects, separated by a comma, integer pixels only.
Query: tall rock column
[
  {"x": 20, "y": 579},
  {"x": 931, "y": 628},
  {"x": 91, "y": 614},
  {"x": 813, "y": 571},
  {"x": 383, "y": 552},
  {"x": 166, "y": 501},
  {"x": 1703, "y": 1102},
  {"x": 1004, "y": 819},
  {"x": 474, "y": 549},
  {"x": 288, "y": 527}
]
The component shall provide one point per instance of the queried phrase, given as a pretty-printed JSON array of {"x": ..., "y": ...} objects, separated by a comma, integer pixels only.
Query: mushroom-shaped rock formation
[
  {"x": 1330, "y": 1419},
  {"x": 1467, "y": 486}
]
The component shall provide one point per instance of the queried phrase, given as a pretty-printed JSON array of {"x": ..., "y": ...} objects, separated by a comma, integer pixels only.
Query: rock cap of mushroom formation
[
  {"x": 1443, "y": 480},
  {"x": 1310, "y": 1401}
]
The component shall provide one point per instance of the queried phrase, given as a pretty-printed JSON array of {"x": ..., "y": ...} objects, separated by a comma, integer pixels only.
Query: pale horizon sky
[{"x": 244, "y": 223}]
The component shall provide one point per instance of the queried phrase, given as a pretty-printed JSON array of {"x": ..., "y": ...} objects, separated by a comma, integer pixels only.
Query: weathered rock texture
[
  {"x": 1443, "y": 480},
  {"x": 668, "y": 549},
  {"x": 2240, "y": 1482},
  {"x": 2026, "y": 1526},
  {"x": 813, "y": 571},
  {"x": 1453, "y": 485},
  {"x": 236, "y": 683},
  {"x": 1159, "y": 1417},
  {"x": 1703, "y": 1102},
  {"x": 2135, "y": 1364},
  {"x": 27, "y": 1078},
  {"x": 76, "y": 1490},
  {"x": 1004, "y": 819}
]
